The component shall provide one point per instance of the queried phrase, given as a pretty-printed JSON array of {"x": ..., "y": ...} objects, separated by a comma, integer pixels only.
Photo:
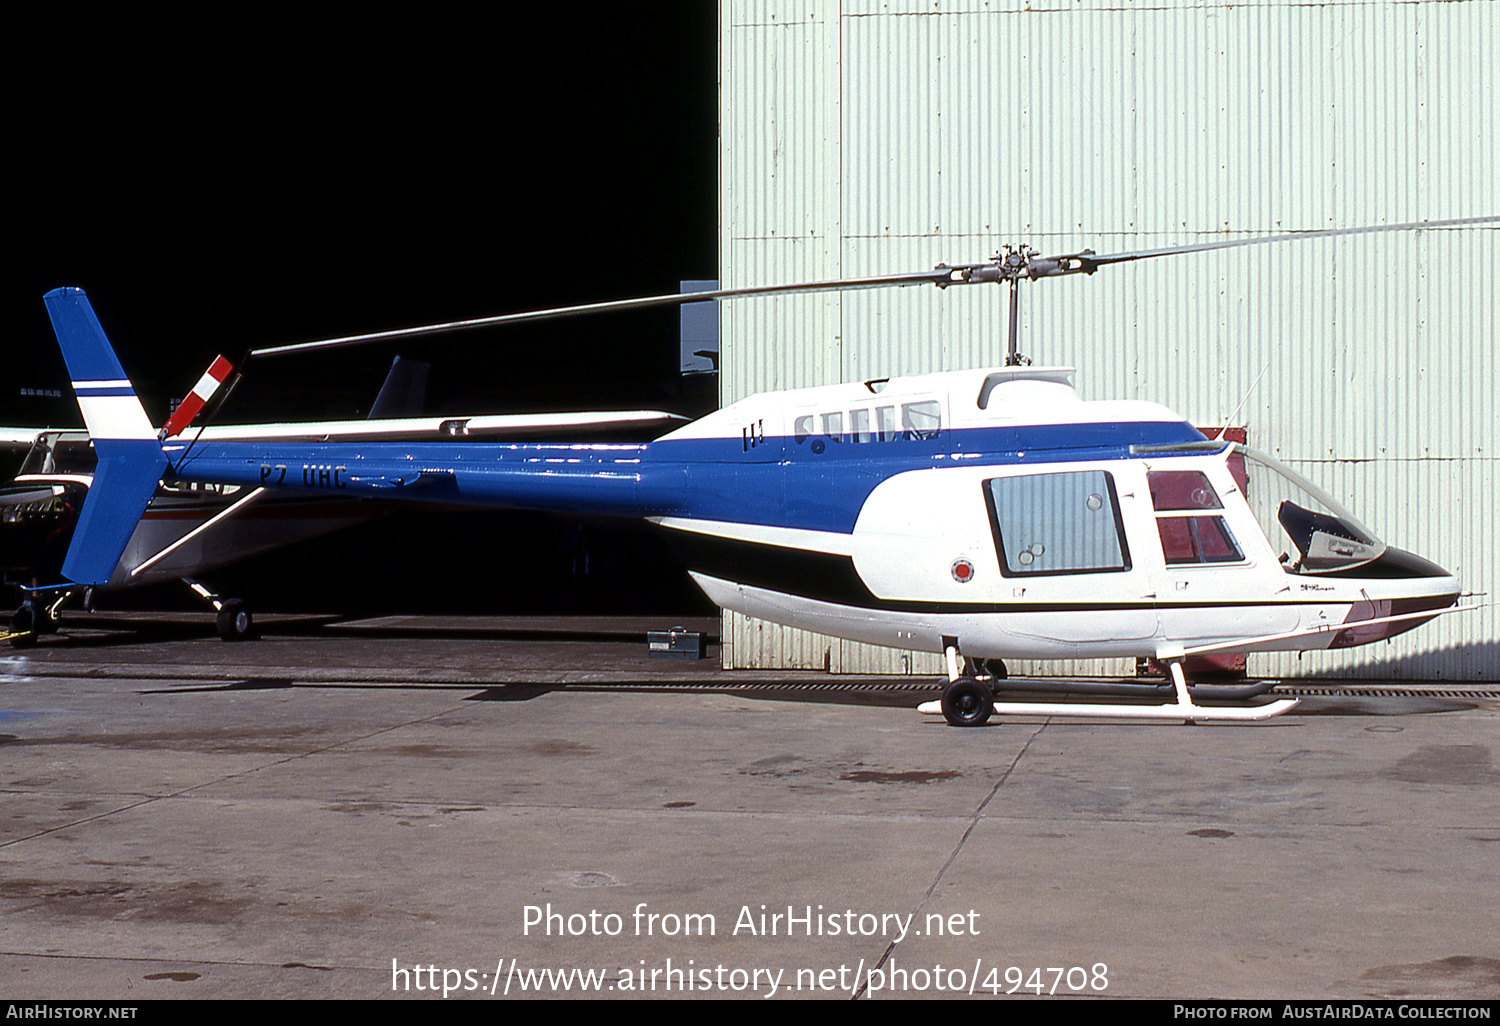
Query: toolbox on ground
[{"x": 677, "y": 643}]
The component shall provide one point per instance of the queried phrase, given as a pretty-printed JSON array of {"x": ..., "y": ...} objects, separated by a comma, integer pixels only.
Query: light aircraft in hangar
[
  {"x": 191, "y": 529},
  {"x": 987, "y": 514}
]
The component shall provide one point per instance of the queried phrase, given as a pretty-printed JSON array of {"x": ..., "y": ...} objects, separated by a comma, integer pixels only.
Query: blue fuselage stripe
[
  {"x": 779, "y": 482},
  {"x": 88, "y": 391}
]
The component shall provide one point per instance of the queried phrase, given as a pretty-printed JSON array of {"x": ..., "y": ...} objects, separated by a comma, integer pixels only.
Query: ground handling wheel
[{"x": 967, "y": 703}]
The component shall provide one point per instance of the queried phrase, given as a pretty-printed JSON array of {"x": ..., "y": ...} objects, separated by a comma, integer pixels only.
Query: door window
[
  {"x": 1190, "y": 519},
  {"x": 1057, "y": 523}
]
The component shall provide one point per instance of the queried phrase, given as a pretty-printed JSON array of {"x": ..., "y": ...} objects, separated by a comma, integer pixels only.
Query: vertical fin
[
  {"x": 130, "y": 457},
  {"x": 403, "y": 392}
]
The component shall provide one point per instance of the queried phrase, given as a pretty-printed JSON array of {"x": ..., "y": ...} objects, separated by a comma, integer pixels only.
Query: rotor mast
[{"x": 1012, "y": 264}]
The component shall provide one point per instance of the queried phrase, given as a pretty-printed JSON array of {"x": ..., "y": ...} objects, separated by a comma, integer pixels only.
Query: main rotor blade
[
  {"x": 1009, "y": 266},
  {"x": 939, "y": 276},
  {"x": 1322, "y": 233}
]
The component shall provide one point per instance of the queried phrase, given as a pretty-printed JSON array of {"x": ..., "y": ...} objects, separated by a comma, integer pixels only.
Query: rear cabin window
[
  {"x": 833, "y": 426},
  {"x": 1057, "y": 523},
  {"x": 859, "y": 426},
  {"x": 1190, "y": 519},
  {"x": 921, "y": 421},
  {"x": 914, "y": 421}
]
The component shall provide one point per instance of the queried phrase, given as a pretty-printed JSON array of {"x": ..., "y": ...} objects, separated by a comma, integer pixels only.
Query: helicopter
[{"x": 986, "y": 514}]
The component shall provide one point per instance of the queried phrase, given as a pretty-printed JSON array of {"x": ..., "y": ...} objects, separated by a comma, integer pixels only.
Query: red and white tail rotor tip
[{"x": 217, "y": 373}]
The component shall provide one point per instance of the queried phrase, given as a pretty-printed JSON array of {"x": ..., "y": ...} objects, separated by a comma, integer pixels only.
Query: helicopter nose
[
  {"x": 1412, "y": 586},
  {"x": 1400, "y": 564}
]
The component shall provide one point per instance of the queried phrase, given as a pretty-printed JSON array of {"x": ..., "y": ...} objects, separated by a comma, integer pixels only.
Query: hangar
[{"x": 863, "y": 137}]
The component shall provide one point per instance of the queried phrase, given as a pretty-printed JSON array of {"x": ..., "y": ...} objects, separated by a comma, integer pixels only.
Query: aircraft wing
[
  {"x": 504, "y": 425},
  {"x": 400, "y": 429},
  {"x": 18, "y": 437}
]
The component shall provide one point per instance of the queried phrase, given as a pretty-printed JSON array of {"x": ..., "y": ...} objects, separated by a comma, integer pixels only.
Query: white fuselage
[{"x": 1036, "y": 552}]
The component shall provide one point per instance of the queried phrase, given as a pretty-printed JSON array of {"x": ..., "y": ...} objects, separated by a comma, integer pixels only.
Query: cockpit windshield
[
  {"x": 1317, "y": 535},
  {"x": 60, "y": 452}
]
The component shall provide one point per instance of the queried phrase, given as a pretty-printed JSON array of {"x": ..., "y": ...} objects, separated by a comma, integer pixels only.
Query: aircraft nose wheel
[
  {"x": 234, "y": 622},
  {"x": 967, "y": 703}
]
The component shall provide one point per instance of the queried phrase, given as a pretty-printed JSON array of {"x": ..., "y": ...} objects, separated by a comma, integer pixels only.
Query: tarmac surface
[{"x": 536, "y": 807}]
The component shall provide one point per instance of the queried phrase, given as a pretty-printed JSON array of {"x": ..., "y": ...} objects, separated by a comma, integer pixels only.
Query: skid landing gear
[{"x": 968, "y": 701}]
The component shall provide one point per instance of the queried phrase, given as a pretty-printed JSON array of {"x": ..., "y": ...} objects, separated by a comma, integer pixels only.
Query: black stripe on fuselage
[
  {"x": 829, "y": 577},
  {"x": 824, "y": 576}
]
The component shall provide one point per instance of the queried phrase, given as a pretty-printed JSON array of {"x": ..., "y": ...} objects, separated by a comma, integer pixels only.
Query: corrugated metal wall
[{"x": 865, "y": 137}]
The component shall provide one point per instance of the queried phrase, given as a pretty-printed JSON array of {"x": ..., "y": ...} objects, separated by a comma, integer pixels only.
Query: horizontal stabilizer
[{"x": 18, "y": 438}]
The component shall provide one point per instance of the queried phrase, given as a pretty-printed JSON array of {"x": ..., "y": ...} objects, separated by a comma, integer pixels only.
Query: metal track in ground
[
  {"x": 250, "y": 676},
  {"x": 1388, "y": 691}
]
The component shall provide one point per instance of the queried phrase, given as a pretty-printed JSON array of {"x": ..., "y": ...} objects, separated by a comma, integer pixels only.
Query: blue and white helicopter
[{"x": 986, "y": 514}]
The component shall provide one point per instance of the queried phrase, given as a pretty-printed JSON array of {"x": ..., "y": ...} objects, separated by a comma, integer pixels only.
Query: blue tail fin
[{"x": 130, "y": 457}]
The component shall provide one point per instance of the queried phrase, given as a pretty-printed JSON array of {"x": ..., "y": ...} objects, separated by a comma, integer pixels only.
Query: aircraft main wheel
[
  {"x": 996, "y": 668},
  {"x": 234, "y": 622},
  {"x": 967, "y": 703},
  {"x": 23, "y": 626}
]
